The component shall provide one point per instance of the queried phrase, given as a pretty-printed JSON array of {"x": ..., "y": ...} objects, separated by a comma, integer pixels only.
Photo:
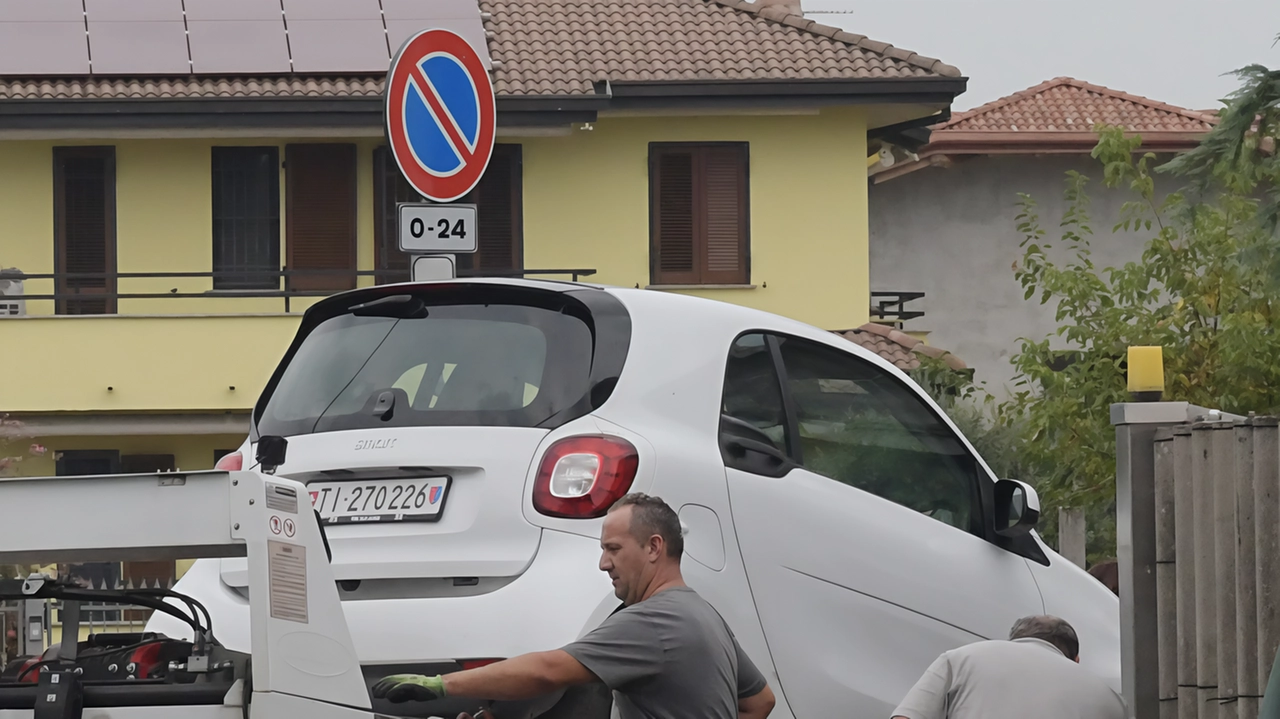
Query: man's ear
[
  {"x": 1077, "y": 659},
  {"x": 657, "y": 547}
]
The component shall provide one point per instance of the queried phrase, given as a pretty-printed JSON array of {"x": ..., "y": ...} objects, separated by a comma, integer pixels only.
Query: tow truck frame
[{"x": 302, "y": 661}]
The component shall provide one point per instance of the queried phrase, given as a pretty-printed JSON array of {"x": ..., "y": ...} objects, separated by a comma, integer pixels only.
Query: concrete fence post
[
  {"x": 1224, "y": 522},
  {"x": 1072, "y": 535},
  {"x": 1136, "y": 425},
  {"x": 1246, "y": 575},
  {"x": 1266, "y": 477},
  {"x": 1166, "y": 574},
  {"x": 1206, "y": 541},
  {"x": 1185, "y": 572}
]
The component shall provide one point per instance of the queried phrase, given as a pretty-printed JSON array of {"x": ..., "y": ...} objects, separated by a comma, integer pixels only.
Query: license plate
[{"x": 380, "y": 500}]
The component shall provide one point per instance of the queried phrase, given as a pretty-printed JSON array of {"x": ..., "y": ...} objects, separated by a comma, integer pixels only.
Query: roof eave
[
  {"x": 513, "y": 110},
  {"x": 952, "y": 142}
]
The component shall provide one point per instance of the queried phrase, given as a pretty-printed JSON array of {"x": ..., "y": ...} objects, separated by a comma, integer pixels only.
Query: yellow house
[{"x": 179, "y": 181}]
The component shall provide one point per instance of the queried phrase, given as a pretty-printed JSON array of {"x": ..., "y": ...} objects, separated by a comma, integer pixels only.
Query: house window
[
  {"x": 84, "y": 228},
  {"x": 499, "y": 216},
  {"x": 698, "y": 224},
  {"x": 320, "y": 222},
  {"x": 246, "y": 217}
]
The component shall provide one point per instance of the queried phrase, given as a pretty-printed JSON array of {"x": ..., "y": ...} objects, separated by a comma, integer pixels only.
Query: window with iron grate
[{"x": 246, "y": 217}]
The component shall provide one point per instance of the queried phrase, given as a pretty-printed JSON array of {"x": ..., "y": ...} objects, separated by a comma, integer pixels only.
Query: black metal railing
[
  {"x": 891, "y": 307},
  {"x": 99, "y": 292}
]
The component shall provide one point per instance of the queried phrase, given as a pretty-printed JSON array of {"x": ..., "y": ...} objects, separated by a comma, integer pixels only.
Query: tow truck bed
[{"x": 302, "y": 662}]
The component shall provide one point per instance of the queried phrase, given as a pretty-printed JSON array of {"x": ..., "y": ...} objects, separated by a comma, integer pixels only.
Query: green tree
[
  {"x": 1191, "y": 294},
  {"x": 1239, "y": 156}
]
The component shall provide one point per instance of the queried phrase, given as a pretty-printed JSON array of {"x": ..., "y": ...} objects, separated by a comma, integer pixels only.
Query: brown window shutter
[
  {"x": 150, "y": 574},
  {"x": 724, "y": 184},
  {"x": 320, "y": 215},
  {"x": 699, "y": 215},
  {"x": 500, "y": 247},
  {"x": 84, "y": 212},
  {"x": 673, "y": 221}
]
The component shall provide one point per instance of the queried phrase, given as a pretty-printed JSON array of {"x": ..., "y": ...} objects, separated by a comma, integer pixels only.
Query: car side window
[
  {"x": 751, "y": 390},
  {"x": 860, "y": 426}
]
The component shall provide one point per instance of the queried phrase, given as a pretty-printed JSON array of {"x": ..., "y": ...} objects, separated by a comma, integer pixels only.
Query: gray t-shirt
[
  {"x": 1009, "y": 680},
  {"x": 670, "y": 656}
]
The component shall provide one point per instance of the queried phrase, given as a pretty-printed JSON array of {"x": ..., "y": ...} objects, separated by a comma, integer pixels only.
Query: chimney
[{"x": 789, "y": 6}]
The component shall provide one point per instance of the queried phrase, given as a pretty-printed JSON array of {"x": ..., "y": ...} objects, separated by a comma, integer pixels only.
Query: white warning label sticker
[{"x": 287, "y": 580}]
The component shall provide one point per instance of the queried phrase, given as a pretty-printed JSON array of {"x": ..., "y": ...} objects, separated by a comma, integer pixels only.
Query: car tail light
[
  {"x": 27, "y": 673},
  {"x": 145, "y": 659},
  {"x": 581, "y": 477},
  {"x": 233, "y": 462},
  {"x": 477, "y": 663}
]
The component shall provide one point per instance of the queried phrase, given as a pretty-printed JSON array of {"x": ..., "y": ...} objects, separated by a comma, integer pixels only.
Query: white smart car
[{"x": 462, "y": 440}]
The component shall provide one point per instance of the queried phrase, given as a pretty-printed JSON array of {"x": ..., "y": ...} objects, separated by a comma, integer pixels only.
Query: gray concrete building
[{"x": 943, "y": 219}]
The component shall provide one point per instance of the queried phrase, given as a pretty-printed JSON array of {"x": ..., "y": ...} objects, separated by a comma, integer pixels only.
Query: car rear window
[{"x": 461, "y": 365}]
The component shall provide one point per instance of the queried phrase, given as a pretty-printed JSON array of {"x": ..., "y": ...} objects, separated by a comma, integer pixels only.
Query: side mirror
[{"x": 1017, "y": 508}]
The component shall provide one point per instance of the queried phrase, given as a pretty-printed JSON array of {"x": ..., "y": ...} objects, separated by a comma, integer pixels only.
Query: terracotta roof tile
[
  {"x": 563, "y": 47},
  {"x": 899, "y": 348},
  {"x": 1065, "y": 104},
  {"x": 193, "y": 87}
]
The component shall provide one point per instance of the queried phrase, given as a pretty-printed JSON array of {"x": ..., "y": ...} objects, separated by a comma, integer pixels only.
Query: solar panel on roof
[
  {"x": 43, "y": 48},
  {"x": 233, "y": 10},
  {"x": 406, "y": 17},
  {"x": 400, "y": 30},
  {"x": 42, "y": 11},
  {"x": 138, "y": 48},
  {"x": 151, "y": 37},
  {"x": 332, "y": 10},
  {"x": 338, "y": 46},
  {"x": 238, "y": 46},
  {"x": 132, "y": 10},
  {"x": 425, "y": 9}
]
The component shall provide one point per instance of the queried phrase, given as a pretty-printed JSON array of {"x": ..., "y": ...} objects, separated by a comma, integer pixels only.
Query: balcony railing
[
  {"x": 890, "y": 308},
  {"x": 81, "y": 293}
]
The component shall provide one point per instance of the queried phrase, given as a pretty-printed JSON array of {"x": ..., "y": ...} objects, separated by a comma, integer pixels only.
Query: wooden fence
[{"x": 1217, "y": 567}]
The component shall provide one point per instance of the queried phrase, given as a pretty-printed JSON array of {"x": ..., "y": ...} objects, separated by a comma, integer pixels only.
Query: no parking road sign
[
  {"x": 440, "y": 114},
  {"x": 441, "y": 121}
]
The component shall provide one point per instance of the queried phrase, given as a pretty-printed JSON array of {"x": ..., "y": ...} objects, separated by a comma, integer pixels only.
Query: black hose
[
  {"x": 142, "y": 601},
  {"x": 192, "y": 603}
]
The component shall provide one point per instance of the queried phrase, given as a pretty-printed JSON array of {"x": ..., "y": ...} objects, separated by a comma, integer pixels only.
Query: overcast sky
[{"x": 1174, "y": 51}]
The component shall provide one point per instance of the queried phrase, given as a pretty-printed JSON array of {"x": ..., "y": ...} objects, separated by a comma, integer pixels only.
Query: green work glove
[{"x": 399, "y": 688}]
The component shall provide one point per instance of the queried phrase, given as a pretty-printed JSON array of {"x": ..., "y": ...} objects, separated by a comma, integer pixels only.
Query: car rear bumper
[{"x": 558, "y": 597}]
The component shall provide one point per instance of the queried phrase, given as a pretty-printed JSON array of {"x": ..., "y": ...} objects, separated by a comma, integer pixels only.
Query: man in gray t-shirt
[
  {"x": 670, "y": 656},
  {"x": 665, "y": 654},
  {"x": 1036, "y": 673}
]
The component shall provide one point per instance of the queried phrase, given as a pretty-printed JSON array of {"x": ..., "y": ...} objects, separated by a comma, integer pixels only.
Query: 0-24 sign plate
[{"x": 430, "y": 228}]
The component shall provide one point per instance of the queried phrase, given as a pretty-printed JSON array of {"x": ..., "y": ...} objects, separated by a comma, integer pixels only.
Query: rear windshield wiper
[{"x": 407, "y": 307}]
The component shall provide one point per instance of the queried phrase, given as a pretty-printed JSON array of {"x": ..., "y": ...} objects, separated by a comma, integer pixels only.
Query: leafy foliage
[
  {"x": 1191, "y": 293},
  {"x": 1239, "y": 154}
]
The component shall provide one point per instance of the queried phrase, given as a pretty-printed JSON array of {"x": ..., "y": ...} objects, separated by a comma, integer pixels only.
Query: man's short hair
[
  {"x": 650, "y": 516},
  {"x": 1050, "y": 629}
]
